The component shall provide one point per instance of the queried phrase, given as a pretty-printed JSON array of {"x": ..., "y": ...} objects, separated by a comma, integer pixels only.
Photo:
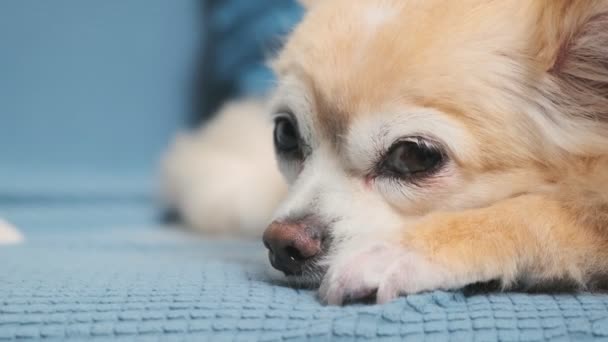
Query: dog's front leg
[{"x": 531, "y": 238}]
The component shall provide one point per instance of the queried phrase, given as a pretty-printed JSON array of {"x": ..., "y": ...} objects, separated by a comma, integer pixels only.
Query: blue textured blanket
[{"x": 155, "y": 283}]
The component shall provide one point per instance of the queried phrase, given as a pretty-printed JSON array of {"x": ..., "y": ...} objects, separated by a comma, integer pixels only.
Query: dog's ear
[{"x": 573, "y": 37}]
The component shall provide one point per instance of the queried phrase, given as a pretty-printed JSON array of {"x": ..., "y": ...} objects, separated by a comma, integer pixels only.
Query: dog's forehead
[
  {"x": 364, "y": 57},
  {"x": 328, "y": 52}
]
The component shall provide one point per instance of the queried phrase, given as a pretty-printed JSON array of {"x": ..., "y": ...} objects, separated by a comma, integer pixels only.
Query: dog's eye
[
  {"x": 286, "y": 137},
  {"x": 411, "y": 158}
]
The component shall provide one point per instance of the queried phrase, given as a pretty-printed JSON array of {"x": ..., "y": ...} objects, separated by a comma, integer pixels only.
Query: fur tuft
[
  {"x": 9, "y": 235},
  {"x": 223, "y": 178}
]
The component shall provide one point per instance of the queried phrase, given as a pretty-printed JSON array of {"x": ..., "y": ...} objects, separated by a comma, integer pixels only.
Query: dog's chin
[{"x": 310, "y": 278}]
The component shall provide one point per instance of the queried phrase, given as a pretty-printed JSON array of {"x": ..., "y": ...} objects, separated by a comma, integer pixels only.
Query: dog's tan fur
[{"x": 528, "y": 79}]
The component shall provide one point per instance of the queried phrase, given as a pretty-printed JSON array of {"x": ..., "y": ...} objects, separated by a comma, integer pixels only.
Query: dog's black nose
[{"x": 290, "y": 245}]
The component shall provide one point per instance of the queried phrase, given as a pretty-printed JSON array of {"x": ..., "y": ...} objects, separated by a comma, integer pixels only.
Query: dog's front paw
[{"x": 384, "y": 270}]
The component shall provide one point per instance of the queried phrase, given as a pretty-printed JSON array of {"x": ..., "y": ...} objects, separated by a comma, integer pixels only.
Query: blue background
[
  {"x": 92, "y": 91},
  {"x": 92, "y": 84}
]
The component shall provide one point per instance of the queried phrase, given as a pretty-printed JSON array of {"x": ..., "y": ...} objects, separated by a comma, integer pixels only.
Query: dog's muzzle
[{"x": 292, "y": 244}]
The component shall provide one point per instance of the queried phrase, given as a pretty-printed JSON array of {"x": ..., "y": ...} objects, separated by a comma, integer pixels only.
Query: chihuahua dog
[{"x": 433, "y": 144}]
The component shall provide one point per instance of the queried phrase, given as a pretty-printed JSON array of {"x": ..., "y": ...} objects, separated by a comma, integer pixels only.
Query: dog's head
[{"x": 388, "y": 110}]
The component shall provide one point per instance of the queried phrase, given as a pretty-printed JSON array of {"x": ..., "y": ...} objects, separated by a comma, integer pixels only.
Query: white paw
[{"x": 384, "y": 270}]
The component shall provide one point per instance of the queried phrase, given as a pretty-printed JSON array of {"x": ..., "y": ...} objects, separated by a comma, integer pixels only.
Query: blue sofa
[{"x": 90, "y": 94}]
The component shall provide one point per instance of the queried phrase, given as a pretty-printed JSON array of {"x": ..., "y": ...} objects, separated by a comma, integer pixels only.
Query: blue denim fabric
[{"x": 241, "y": 36}]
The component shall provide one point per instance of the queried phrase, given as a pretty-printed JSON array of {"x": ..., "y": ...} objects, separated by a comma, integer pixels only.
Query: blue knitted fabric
[{"x": 147, "y": 282}]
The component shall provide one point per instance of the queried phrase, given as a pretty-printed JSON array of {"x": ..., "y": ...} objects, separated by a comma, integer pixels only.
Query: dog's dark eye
[
  {"x": 286, "y": 136},
  {"x": 411, "y": 158}
]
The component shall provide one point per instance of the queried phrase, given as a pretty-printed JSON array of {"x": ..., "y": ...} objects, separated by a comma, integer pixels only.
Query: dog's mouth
[{"x": 308, "y": 276}]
